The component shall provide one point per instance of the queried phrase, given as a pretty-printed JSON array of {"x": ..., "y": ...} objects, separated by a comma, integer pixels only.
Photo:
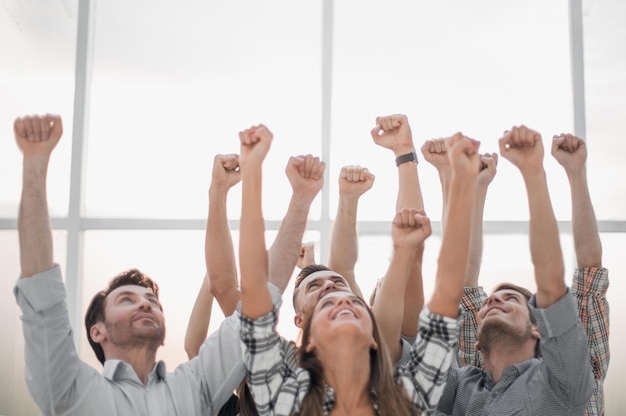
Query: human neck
[
  {"x": 345, "y": 372},
  {"x": 498, "y": 357},
  {"x": 142, "y": 359}
]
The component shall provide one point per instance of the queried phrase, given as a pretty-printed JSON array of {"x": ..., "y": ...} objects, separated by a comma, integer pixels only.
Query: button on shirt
[{"x": 61, "y": 384}]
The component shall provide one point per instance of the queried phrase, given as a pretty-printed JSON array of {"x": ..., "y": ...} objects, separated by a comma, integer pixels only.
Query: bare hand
[
  {"x": 306, "y": 257},
  {"x": 435, "y": 153},
  {"x": 255, "y": 143},
  {"x": 306, "y": 175},
  {"x": 524, "y": 148},
  {"x": 463, "y": 156},
  {"x": 38, "y": 135},
  {"x": 393, "y": 132},
  {"x": 488, "y": 168},
  {"x": 355, "y": 181},
  {"x": 570, "y": 151},
  {"x": 410, "y": 228},
  {"x": 225, "y": 171}
]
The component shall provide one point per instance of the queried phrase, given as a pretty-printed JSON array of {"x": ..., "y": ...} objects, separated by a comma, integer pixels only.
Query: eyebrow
[{"x": 150, "y": 295}]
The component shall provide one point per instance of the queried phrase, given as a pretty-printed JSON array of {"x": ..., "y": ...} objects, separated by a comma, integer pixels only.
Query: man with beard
[
  {"x": 534, "y": 347},
  {"x": 125, "y": 323}
]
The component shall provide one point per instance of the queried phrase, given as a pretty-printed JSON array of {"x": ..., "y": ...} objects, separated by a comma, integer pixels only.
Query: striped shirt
[
  {"x": 589, "y": 289},
  {"x": 560, "y": 383},
  {"x": 279, "y": 385}
]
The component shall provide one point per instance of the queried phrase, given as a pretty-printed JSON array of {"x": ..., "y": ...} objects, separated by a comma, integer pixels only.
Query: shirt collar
[{"x": 116, "y": 370}]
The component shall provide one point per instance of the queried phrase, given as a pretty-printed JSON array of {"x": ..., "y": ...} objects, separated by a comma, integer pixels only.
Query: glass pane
[
  {"x": 14, "y": 396},
  {"x": 164, "y": 102},
  {"x": 38, "y": 45},
  {"x": 449, "y": 66},
  {"x": 605, "y": 85}
]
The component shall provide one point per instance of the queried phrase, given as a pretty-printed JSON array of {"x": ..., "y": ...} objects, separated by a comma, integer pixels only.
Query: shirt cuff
[
  {"x": 441, "y": 326},
  {"x": 41, "y": 291},
  {"x": 473, "y": 298},
  {"x": 590, "y": 281}
]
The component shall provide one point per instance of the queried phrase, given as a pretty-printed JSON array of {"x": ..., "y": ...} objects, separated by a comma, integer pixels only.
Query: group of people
[{"x": 463, "y": 352}]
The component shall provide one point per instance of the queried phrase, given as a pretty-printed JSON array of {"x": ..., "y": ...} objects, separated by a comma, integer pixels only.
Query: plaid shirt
[
  {"x": 278, "y": 385},
  {"x": 589, "y": 289}
]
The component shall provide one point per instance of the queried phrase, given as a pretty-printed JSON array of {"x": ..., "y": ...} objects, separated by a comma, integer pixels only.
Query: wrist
[{"x": 407, "y": 157}]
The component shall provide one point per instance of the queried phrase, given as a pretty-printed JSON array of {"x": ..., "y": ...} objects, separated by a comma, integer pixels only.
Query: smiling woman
[{"x": 167, "y": 85}]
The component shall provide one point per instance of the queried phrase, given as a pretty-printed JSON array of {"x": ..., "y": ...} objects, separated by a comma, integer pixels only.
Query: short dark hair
[
  {"x": 95, "y": 311},
  {"x": 310, "y": 269}
]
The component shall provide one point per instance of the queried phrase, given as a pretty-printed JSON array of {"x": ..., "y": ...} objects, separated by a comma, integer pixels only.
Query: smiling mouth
[
  {"x": 494, "y": 309},
  {"x": 343, "y": 313}
]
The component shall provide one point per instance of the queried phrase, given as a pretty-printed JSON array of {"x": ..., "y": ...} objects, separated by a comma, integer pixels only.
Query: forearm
[
  {"x": 587, "y": 242},
  {"x": 344, "y": 242},
  {"x": 413, "y": 296},
  {"x": 255, "y": 296},
  {"x": 283, "y": 254},
  {"x": 410, "y": 196},
  {"x": 454, "y": 253},
  {"x": 220, "y": 254},
  {"x": 409, "y": 190},
  {"x": 35, "y": 234},
  {"x": 445, "y": 176},
  {"x": 389, "y": 306},
  {"x": 198, "y": 326},
  {"x": 476, "y": 237},
  {"x": 545, "y": 246}
]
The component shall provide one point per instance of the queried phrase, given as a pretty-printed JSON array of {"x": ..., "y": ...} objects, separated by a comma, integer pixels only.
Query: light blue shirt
[{"x": 61, "y": 384}]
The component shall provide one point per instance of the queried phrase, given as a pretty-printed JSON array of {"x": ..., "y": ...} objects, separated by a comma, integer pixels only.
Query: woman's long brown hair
[{"x": 392, "y": 399}]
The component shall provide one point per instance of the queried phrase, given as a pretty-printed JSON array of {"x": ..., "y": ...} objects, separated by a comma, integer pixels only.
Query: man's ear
[
  {"x": 98, "y": 332},
  {"x": 534, "y": 332},
  {"x": 298, "y": 320},
  {"x": 477, "y": 345}
]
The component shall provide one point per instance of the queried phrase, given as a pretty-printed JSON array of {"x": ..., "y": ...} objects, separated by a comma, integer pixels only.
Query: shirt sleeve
[
  {"x": 221, "y": 358},
  {"x": 55, "y": 375},
  {"x": 274, "y": 380},
  {"x": 564, "y": 351},
  {"x": 472, "y": 300},
  {"x": 589, "y": 289},
  {"x": 424, "y": 376}
]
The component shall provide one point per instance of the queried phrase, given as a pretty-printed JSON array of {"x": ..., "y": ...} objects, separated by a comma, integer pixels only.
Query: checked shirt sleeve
[
  {"x": 424, "y": 376},
  {"x": 472, "y": 300},
  {"x": 589, "y": 289},
  {"x": 276, "y": 383}
]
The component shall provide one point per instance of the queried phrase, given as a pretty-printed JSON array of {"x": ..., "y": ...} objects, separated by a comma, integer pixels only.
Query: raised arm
[
  {"x": 354, "y": 181},
  {"x": 256, "y": 300},
  {"x": 409, "y": 229},
  {"x": 591, "y": 280},
  {"x": 36, "y": 137},
  {"x": 220, "y": 282},
  {"x": 306, "y": 176},
  {"x": 455, "y": 242},
  {"x": 394, "y": 133},
  {"x": 524, "y": 148},
  {"x": 571, "y": 152}
]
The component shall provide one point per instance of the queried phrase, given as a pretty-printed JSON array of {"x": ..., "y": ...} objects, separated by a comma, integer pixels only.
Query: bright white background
[{"x": 171, "y": 83}]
